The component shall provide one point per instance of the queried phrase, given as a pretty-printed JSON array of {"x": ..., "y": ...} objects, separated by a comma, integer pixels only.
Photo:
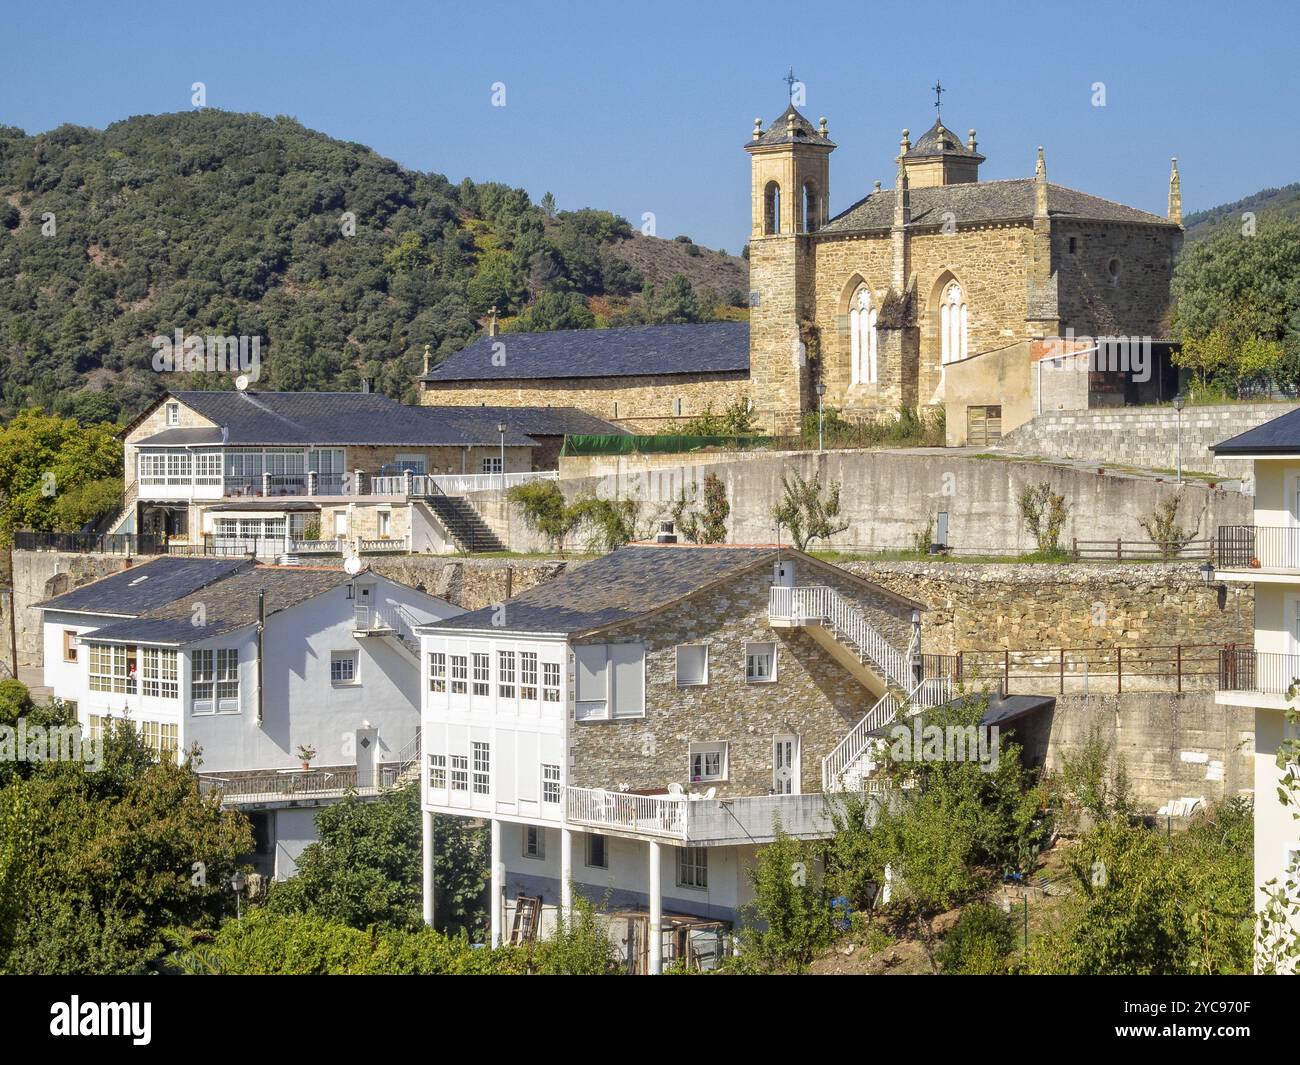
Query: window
[
  {"x": 437, "y": 671},
  {"x": 97, "y": 732},
  {"x": 207, "y": 467},
  {"x": 160, "y": 679},
  {"x": 482, "y": 672},
  {"x": 459, "y": 673},
  {"x": 385, "y": 523},
  {"x": 438, "y": 771},
  {"x": 708, "y": 762},
  {"x": 811, "y": 211},
  {"x": 214, "y": 681},
  {"x": 492, "y": 465},
  {"x": 772, "y": 208},
  {"x": 459, "y": 772},
  {"x": 417, "y": 464},
  {"x": 551, "y": 682},
  {"x": 178, "y": 467},
  {"x": 954, "y": 324},
  {"x": 760, "y": 662},
  {"x": 1113, "y": 268},
  {"x": 160, "y": 736},
  {"x": 677, "y": 407},
  {"x": 610, "y": 681},
  {"x": 692, "y": 867},
  {"x": 550, "y": 783},
  {"x": 692, "y": 664},
  {"x": 506, "y": 674},
  {"x": 597, "y": 854},
  {"x": 528, "y": 675},
  {"x": 112, "y": 669},
  {"x": 69, "y": 645},
  {"x": 173, "y": 414},
  {"x": 534, "y": 842},
  {"x": 864, "y": 338},
  {"x": 343, "y": 667},
  {"x": 482, "y": 768},
  {"x": 1074, "y": 245}
]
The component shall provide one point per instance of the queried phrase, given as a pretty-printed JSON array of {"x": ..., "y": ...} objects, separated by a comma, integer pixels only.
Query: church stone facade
[{"x": 942, "y": 291}]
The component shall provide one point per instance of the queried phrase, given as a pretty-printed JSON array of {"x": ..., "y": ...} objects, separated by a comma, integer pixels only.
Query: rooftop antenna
[{"x": 939, "y": 90}]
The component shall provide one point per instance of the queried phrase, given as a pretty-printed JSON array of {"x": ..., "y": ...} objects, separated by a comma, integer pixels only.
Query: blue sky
[{"x": 647, "y": 107}]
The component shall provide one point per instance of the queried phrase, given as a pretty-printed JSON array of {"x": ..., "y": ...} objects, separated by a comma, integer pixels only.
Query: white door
[
  {"x": 785, "y": 765},
  {"x": 367, "y": 746},
  {"x": 340, "y": 523}
]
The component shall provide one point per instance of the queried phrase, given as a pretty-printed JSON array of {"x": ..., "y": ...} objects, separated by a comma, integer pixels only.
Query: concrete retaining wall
[{"x": 1144, "y": 436}]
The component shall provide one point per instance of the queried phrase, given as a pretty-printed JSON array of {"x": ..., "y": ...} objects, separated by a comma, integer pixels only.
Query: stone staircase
[{"x": 463, "y": 523}]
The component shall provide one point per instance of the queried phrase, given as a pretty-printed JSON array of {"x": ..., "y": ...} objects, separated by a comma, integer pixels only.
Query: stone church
[{"x": 944, "y": 290}]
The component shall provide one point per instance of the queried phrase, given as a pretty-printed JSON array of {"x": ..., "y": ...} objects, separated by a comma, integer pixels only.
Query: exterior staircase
[
  {"x": 848, "y": 766},
  {"x": 818, "y": 606},
  {"x": 463, "y": 523}
]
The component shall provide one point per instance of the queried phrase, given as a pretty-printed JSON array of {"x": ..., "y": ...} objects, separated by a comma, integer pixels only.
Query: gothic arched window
[
  {"x": 863, "y": 345},
  {"x": 954, "y": 324},
  {"x": 772, "y": 208}
]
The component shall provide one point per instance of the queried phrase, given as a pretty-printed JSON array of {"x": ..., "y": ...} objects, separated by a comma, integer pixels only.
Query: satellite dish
[
  {"x": 241, "y": 382},
  {"x": 352, "y": 565}
]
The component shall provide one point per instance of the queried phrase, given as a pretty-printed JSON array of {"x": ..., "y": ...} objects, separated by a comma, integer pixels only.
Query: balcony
[
  {"x": 1257, "y": 551},
  {"x": 707, "y": 822},
  {"x": 1256, "y": 678},
  {"x": 296, "y": 787}
]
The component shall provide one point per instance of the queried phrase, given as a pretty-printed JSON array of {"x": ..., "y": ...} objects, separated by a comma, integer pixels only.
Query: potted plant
[{"x": 306, "y": 753}]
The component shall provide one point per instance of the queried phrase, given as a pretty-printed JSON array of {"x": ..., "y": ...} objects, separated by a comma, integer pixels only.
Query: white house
[
  {"x": 638, "y": 727},
  {"x": 1267, "y": 555},
  {"x": 249, "y": 664}
]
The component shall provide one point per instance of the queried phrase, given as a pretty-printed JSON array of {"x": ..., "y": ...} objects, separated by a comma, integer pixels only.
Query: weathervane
[
  {"x": 790, "y": 82},
  {"x": 939, "y": 90}
]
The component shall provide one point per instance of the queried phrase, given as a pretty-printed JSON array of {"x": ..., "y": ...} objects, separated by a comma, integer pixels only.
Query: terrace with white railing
[
  {"x": 389, "y": 619},
  {"x": 452, "y": 484},
  {"x": 702, "y": 822},
  {"x": 819, "y": 605}
]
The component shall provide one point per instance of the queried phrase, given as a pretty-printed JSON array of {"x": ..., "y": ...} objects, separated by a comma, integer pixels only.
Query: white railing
[
  {"x": 933, "y": 691},
  {"x": 819, "y": 605},
  {"x": 388, "y": 618},
  {"x": 384, "y": 544},
  {"x": 313, "y": 547},
  {"x": 454, "y": 484},
  {"x": 655, "y": 815}
]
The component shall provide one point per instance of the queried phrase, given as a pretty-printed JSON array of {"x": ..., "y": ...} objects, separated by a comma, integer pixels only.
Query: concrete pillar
[
  {"x": 427, "y": 852},
  {"x": 498, "y": 878},
  {"x": 566, "y": 872},
  {"x": 656, "y": 960}
]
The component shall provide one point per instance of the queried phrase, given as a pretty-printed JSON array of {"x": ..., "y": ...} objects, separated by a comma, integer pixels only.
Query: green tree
[
  {"x": 808, "y": 512},
  {"x": 546, "y": 512},
  {"x": 790, "y": 918},
  {"x": 1044, "y": 512},
  {"x": 708, "y": 525}
]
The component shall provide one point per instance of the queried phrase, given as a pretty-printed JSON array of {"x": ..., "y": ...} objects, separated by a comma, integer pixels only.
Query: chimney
[
  {"x": 492, "y": 322},
  {"x": 666, "y": 534},
  {"x": 426, "y": 358},
  {"x": 1175, "y": 193},
  {"x": 365, "y": 385},
  {"x": 1040, "y": 185}
]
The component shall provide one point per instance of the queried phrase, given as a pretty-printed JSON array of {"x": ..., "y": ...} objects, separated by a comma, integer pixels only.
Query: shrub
[{"x": 979, "y": 943}]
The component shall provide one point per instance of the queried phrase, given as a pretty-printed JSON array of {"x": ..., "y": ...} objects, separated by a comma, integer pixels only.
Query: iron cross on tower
[
  {"x": 939, "y": 90},
  {"x": 790, "y": 82}
]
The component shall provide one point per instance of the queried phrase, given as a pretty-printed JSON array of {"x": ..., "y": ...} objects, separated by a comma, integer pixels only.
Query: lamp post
[
  {"x": 1179, "y": 401},
  {"x": 821, "y": 391},
  {"x": 237, "y": 883},
  {"x": 501, "y": 428}
]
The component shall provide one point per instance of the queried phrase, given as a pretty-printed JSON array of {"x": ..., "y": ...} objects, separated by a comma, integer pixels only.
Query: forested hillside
[
  {"x": 343, "y": 262},
  {"x": 1268, "y": 204}
]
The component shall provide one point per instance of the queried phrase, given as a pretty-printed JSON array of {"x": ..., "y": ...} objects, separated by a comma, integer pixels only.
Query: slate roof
[
  {"x": 713, "y": 347},
  {"x": 228, "y": 605},
  {"x": 985, "y": 201},
  {"x": 615, "y": 588},
  {"x": 1280, "y": 436},
  {"x": 183, "y": 438},
  {"x": 145, "y": 587},
  {"x": 341, "y": 418},
  {"x": 779, "y": 131},
  {"x": 546, "y": 421},
  {"x": 940, "y": 140}
]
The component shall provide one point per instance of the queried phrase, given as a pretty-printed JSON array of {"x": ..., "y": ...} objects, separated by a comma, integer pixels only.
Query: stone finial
[
  {"x": 821, "y": 126},
  {"x": 905, "y": 143},
  {"x": 426, "y": 358},
  {"x": 877, "y": 188},
  {"x": 1040, "y": 185},
  {"x": 1175, "y": 193},
  {"x": 970, "y": 140},
  {"x": 758, "y": 128},
  {"x": 790, "y": 124}
]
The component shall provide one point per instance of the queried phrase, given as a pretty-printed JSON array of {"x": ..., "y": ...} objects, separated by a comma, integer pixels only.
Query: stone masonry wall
[
  {"x": 813, "y": 696},
  {"x": 1144, "y": 436}
]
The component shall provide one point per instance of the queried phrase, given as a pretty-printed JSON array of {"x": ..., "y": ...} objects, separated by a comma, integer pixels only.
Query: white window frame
[
  {"x": 750, "y": 652},
  {"x": 704, "y": 755},
  {"x": 550, "y": 682},
  {"x": 460, "y": 674},
  {"x": 528, "y": 676},
  {"x": 492, "y": 464},
  {"x": 438, "y": 671},
  {"x": 173, "y": 413},
  {"x": 534, "y": 842},
  {"x": 704, "y": 672},
  {"x": 505, "y": 674},
  {"x": 481, "y": 674},
  {"x": 482, "y": 767},
  {"x": 693, "y": 868},
  {"x": 438, "y": 772},
  {"x": 345, "y": 669},
  {"x": 159, "y": 673},
  {"x": 551, "y": 783}
]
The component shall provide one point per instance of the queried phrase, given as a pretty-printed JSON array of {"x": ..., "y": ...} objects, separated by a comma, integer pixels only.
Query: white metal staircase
[
  {"x": 849, "y": 764},
  {"x": 819, "y": 605}
]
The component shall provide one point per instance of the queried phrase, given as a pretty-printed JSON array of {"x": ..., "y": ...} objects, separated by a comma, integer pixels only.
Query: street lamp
[
  {"x": 501, "y": 428},
  {"x": 821, "y": 391},
  {"x": 237, "y": 883},
  {"x": 1179, "y": 402}
]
